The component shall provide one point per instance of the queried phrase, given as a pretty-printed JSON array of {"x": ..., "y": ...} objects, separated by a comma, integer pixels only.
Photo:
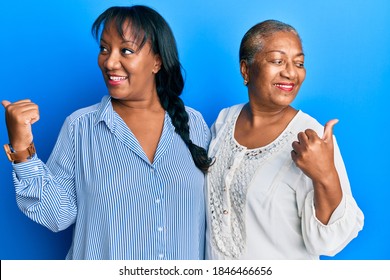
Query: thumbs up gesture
[
  {"x": 19, "y": 118},
  {"x": 313, "y": 154}
]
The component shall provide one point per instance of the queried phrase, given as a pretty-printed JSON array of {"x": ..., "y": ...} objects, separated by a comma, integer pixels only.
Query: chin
[{"x": 115, "y": 94}]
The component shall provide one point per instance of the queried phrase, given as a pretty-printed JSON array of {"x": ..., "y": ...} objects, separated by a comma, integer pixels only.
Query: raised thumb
[
  {"x": 328, "y": 130},
  {"x": 5, "y": 103}
]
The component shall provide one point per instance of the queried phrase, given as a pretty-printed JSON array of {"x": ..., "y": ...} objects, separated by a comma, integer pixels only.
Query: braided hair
[{"x": 148, "y": 25}]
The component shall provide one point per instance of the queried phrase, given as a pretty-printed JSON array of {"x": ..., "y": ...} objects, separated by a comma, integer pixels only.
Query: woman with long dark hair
[{"x": 127, "y": 172}]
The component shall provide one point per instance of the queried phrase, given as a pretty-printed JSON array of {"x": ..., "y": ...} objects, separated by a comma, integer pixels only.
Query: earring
[{"x": 245, "y": 82}]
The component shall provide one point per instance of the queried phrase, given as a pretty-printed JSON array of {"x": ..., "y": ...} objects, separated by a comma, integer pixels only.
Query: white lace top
[{"x": 260, "y": 205}]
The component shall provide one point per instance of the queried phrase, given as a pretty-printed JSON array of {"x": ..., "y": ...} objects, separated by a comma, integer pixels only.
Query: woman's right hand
[{"x": 19, "y": 117}]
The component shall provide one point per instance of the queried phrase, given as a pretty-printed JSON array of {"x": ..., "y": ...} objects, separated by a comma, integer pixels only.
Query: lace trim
[{"x": 229, "y": 179}]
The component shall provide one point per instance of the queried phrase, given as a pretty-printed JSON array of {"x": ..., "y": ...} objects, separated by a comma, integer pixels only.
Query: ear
[
  {"x": 157, "y": 63},
  {"x": 244, "y": 70}
]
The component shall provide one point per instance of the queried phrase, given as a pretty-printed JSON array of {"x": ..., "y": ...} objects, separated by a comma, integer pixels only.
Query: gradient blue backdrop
[{"x": 48, "y": 55}]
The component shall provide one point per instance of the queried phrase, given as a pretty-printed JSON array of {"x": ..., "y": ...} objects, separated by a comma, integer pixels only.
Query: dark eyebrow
[
  {"x": 123, "y": 41},
  {"x": 282, "y": 52},
  {"x": 128, "y": 41}
]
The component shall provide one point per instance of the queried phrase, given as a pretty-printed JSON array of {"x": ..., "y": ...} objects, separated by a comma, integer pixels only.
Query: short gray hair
[{"x": 253, "y": 40}]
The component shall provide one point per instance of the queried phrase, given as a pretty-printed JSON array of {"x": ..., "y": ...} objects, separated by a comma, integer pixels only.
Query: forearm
[
  {"x": 327, "y": 196},
  {"x": 345, "y": 223}
]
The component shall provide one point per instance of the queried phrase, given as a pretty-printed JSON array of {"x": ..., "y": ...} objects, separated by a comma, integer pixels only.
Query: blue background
[{"x": 49, "y": 56}]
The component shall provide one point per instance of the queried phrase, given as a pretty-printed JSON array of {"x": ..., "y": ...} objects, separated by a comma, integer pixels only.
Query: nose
[
  {"x": 112, "y": 61},
  {"x": 289, "y": 71}
]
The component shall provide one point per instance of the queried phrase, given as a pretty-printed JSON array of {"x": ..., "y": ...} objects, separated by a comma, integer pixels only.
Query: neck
[
  {"x": 144, "y": 105},
  {"x": 259, "y": 115}
]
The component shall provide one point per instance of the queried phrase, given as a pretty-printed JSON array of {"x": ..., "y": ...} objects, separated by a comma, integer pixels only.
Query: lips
[
  {"x": 115, "y": 79},
  {"x": 285, "y": 86}
]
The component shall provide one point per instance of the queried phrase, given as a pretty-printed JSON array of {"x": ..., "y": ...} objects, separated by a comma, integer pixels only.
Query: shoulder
[
  {"x": 90, "y": 112},
  {"x": 82, "y": 112},
  {"x": 229, "y": 112},
  {"x": 199, "y": 130},
  {"x": 194, "y": 114},
  {"x": 303, "y": 121},
  {"x": 195, "y": 118},
  {"x": 225, "y": 115}
]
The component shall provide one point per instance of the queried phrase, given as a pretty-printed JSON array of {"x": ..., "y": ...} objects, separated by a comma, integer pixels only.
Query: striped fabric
[{"x": 122, "y": 206}]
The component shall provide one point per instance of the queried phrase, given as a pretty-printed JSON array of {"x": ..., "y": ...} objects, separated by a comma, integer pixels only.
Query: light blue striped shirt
[{"x": 122, "y": 206}]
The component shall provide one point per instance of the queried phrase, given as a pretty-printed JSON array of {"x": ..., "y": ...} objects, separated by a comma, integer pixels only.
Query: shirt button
[
  {"x": 161, "y": 256},
  {"x": 225, "y": 212},
  {"x": 160, "y": 229},
  {"x": 157, "y": 200}
]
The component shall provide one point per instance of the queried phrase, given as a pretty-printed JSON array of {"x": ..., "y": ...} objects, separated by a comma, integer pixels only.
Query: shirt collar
[{"x": 105, "y": 112}]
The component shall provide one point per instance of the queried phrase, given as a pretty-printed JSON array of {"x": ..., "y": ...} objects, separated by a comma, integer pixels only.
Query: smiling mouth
[
  {"x": 287, "y": 87},
  {"x": 116, "y": 78}
]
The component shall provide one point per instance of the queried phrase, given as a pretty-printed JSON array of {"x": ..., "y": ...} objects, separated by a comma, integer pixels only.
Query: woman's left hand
[{"x": 314, "y": 155}]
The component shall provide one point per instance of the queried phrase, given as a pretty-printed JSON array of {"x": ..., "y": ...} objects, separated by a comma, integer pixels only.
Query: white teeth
[
  {"x": 117, "y": 78},
  {"x": 284, "y": 86}
]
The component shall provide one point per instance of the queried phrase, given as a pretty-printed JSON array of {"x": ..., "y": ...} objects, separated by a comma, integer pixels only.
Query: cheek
[
  {"x": 302, "y": 76},
  {"x": 266, "y": 71},
  {"x": 100, "y": 62}
]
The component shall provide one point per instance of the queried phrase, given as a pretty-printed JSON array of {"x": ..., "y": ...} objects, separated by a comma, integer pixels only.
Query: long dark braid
[
  {"x": 174, "y": 105},
  {"x": 170, "y": 84},
  {"x": 151, "y": 26}
]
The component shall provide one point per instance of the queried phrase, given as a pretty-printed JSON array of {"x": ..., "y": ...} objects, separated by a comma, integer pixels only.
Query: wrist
[{"x": 17, "y": 156}]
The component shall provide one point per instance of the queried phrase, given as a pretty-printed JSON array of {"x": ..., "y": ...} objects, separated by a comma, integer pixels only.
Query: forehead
[
  {"x": 126, "y": 30},
  {"x": 282, "y": 41}
]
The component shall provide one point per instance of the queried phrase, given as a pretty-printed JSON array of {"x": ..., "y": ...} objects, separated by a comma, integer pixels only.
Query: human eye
[
  {"x": 277, "y": 61},
  {"x": 127, "y": 51},
  {"x": 103, "y": 49},
  {"x": 300, "y": 64}
]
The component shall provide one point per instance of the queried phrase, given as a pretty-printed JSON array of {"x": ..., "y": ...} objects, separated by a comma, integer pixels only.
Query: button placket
[{"x": 160, "y": 225}]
